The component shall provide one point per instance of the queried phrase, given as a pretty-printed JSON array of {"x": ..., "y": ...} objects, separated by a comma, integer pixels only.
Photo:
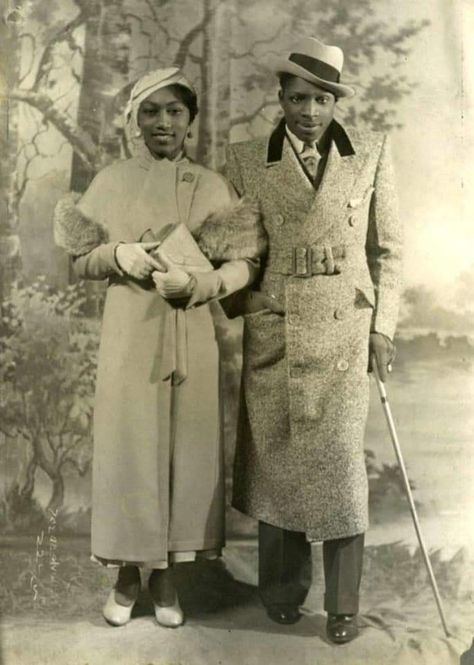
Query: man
[{"x": 328, "y": 294}]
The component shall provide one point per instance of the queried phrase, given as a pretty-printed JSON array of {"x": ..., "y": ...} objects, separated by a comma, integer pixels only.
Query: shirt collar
[
  {"x": 321, "y": 146},
  {"x": 297, "y": 143}
]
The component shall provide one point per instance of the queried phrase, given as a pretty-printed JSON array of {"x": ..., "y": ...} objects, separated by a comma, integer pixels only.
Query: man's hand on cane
[{"x": 383, "y": 349}]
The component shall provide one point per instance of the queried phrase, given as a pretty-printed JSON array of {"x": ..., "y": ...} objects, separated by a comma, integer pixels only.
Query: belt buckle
[{"x": 302, "y": 262}]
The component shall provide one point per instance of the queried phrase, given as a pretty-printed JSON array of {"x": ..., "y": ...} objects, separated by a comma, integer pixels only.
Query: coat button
[
  {"x": 188, "y": 176},
  {"x": 352, "y": 220},
  {"x": 339, "y": 313},
  {"x": 342, "y": 365},
  {"x": 279, "y": 220}
]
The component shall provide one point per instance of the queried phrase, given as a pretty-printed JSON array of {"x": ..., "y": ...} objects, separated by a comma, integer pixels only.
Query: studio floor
[{"x": 58, "y": 621}]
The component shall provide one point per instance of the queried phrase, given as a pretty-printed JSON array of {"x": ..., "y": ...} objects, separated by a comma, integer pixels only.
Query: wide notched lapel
[
  {"x": 284, "y": 173},
  {"x": 342, "y": 170}
]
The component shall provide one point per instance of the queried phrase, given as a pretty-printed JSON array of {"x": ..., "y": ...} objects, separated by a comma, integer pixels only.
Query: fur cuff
[
  {"x": 234, "y": 232},
  {"x": 73, "y": 231}
]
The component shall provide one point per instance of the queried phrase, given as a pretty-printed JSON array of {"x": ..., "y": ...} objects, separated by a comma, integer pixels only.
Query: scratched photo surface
[{"x": 67, "y": 67}]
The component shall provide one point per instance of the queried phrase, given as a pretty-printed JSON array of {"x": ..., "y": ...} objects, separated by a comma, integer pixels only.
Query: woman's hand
[
  {"x": 174, "y": 282},
  {"x": 134, "y": 260}
]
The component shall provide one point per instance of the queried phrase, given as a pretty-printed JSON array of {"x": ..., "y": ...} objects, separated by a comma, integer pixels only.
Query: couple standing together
[{"x": 311, "y": 257}]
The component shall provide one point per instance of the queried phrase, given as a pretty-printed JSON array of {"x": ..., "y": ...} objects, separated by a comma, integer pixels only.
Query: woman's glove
[
  {"x": 134, "y": 260},
  {"x": 171, "y": 281},
  {"x": 383, "y": 349}
]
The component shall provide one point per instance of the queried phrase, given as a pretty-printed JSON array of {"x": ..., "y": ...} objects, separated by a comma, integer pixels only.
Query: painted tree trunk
[
  {"x": 105, "y": 71},
  {"x": 10, "y": 249},
  {"x": 214, "y": 117},
  {"x": 57, "y": 496}
]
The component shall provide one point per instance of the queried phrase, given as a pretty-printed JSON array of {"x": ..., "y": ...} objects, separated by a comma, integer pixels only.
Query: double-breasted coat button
[
  {"x": 342, "y": 365},
  {"x": 279, "y": 220},
  {"x": 188, "y": 176},
  {"x": 352, "y": 220},
  {"x": 353, "y": 203},
  {"x": 339, "y": 313},
  {"x": 293, "y": 318}
]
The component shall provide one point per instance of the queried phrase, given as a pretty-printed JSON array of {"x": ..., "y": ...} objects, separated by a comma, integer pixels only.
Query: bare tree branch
[
  {"x": 80, "y": 141},
  {"x": 32, "y": 40},
  {"x": 248, "y": 117},
  {"x": 81, "y": 470},
  {"x": 259, "y": 42},
  {"x": 63, "y": 35},
  {"x": 189, "y": 38},
  {"x": 145, "y": 33}
]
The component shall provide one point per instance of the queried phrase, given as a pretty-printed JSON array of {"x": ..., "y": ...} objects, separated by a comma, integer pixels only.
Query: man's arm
[
  {"x": 232, "y": 171},
  {"x": 384, "y": 257},
  {"x": 384, "y": 246}
]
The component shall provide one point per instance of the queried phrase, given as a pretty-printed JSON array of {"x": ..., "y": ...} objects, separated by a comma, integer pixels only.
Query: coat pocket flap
[
  {"x": 356, "y": 201},
  {"x": 368, "y": 291}
]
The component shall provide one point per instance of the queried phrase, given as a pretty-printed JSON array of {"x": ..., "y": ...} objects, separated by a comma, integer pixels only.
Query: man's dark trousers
[{"x": 285, "y": 569}]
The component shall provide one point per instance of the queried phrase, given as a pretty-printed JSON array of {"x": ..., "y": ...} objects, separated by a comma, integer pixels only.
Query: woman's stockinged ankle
[
  {"x": 127, "y": 586},
  {"x": 162, "y": 587}
]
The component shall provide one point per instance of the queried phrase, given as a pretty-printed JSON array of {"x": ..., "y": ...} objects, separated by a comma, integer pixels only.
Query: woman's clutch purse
[{"x": 177, "y": 242}]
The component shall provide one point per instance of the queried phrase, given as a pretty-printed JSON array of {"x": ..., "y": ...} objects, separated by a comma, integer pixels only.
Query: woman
[{"x": 158, "y": 493}]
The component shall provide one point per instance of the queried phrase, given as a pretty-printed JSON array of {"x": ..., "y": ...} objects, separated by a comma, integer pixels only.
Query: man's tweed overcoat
[{"x": 299, "y": 461}]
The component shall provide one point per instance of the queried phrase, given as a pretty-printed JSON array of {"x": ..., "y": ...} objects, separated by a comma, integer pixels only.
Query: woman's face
[{"x": 164, "y": 121}]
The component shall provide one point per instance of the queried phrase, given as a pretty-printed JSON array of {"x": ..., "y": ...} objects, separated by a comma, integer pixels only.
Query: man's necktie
[{"x": 310, "y": 156}]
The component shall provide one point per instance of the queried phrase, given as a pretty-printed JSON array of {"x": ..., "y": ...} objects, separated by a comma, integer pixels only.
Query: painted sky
[{"x": 434, "y": 151}]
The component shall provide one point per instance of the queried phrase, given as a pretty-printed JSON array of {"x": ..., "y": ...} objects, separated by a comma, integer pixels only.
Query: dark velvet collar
[{"x": 335, "y": 132}]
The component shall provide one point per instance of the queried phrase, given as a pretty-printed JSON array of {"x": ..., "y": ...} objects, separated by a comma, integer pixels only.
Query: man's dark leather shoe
[
  {"x": 285, "y": 614},
  {"x": 342, "y": 628}
]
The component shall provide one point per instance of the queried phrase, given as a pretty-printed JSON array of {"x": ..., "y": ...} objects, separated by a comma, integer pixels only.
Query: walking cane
[{"x": 406, "y": 482}]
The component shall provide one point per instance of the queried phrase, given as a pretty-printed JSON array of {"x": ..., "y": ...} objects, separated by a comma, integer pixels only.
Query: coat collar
[
  {"x": 146, "y": 159},
  {"x": 168, "y": 186},
  {"x": 338, "y": 134}
]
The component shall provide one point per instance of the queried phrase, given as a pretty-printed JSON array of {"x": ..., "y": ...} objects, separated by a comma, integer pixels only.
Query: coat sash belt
[{"x": 175, "y": 346}]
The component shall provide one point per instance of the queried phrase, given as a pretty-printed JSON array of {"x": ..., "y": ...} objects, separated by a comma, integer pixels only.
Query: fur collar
[{"x": 234, "y": 232}]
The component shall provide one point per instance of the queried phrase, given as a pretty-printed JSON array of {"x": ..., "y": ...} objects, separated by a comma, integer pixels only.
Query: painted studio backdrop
[{"x": 67, "y": 69}]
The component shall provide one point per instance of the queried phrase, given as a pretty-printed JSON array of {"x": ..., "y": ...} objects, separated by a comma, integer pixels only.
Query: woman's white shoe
[
  {"x": 116, "y": 614},
  {"x": 170, "y": 616}
]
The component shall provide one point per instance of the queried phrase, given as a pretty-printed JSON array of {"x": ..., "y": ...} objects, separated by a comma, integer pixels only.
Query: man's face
[{"x": 308, "y": 108}]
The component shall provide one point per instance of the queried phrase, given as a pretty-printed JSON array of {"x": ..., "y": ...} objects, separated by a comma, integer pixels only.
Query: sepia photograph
[{"x": 236, "y": 332}]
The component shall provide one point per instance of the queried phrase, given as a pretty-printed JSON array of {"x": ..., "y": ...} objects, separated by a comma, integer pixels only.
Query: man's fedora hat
[{"x": 317, "y": 63}]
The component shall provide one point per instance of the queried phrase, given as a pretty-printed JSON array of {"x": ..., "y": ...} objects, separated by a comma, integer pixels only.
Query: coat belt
[
  {"x": 175, "y": 346},
  {"x": 306, "y": 261}
]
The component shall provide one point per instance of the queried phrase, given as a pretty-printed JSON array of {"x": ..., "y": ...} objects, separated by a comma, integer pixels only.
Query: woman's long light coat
[{"x": 157, "y": 464}]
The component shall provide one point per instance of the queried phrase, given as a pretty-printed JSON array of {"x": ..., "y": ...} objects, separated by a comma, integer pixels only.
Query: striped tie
[{"x": 310, "y": 157}]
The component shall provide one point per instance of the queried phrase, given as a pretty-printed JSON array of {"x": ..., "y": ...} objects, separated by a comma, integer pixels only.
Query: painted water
[{"x": 433, "y": 406}]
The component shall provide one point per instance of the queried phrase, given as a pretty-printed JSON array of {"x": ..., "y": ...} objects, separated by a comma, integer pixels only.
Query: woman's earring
[{"x": 138, "y": 133}]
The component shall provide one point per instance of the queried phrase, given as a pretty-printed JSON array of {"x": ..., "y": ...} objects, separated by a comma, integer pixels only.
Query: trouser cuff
[{"x": 342, "y": 604}]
